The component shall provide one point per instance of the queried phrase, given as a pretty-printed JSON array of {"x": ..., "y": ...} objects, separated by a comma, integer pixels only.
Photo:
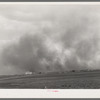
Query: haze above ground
[{"x": 49, "y": 38}]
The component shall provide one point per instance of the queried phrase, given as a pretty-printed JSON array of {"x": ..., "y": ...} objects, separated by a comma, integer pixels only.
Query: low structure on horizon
[{"x": 28, "y": 73}]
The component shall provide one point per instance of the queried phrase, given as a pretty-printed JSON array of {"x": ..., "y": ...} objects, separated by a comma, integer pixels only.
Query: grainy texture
[{"x": 67, "y": 80}]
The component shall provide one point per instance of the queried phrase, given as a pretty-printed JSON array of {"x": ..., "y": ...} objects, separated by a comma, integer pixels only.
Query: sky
[{"x": 49, "y": 38}]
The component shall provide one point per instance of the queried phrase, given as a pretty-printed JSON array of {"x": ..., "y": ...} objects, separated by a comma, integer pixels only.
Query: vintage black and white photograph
[{"x": 49, "y": 46}]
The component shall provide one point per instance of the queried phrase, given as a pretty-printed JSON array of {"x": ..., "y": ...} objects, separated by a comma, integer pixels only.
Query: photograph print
[{"x": 49, "y": 46}]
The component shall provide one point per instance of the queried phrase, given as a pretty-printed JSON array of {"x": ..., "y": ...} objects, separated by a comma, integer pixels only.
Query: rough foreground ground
[{"x": 68, "y": 80}]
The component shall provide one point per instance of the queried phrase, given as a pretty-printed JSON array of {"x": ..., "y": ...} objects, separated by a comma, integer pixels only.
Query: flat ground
[{"x": 66, "y": 80}]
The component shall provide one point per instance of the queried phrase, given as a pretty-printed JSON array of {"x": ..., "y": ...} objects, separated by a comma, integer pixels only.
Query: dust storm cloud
[{"x": 49, "y": 38}]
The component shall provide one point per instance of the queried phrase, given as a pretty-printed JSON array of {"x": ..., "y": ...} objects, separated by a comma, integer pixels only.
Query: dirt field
[{"x": 67, "y": 80}]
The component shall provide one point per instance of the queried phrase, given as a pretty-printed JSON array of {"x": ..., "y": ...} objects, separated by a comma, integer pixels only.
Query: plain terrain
[{"x": 56, "y": 80}]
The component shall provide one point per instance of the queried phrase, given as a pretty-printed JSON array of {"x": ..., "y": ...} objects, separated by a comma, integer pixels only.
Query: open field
[{"x": 67, "y": 80}]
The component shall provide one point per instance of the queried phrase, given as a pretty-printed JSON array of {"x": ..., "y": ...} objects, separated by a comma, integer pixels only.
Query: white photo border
[{"x": 50, "y": 93}]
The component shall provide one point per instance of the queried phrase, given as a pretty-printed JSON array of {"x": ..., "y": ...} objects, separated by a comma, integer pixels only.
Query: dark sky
[{"x": 37, "y": 37}]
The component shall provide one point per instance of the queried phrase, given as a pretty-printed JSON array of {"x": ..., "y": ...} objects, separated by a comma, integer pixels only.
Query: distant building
[{"x": 28, "y": 73}]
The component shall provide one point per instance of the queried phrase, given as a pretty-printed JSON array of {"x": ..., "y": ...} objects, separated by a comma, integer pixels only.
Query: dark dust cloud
[{"x": 49, "y": 38}]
